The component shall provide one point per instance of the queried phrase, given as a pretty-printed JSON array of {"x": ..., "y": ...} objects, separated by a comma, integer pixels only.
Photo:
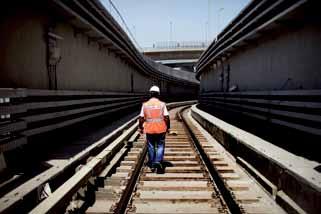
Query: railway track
[
  {"x": 186, "y": 187},
  {"x": 200, "y": 177}
]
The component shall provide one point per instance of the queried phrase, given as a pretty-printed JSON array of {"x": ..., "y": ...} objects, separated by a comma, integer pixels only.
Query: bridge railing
[
  {"x": 178, "y": 45},
  {"x": 172, "y": 72}
]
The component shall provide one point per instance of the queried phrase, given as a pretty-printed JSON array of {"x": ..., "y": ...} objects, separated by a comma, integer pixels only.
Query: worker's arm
[
  {"x": 141, "y": 120},
  {"x": 168, "y": 122},
  {"x": 166, "y": 118}
]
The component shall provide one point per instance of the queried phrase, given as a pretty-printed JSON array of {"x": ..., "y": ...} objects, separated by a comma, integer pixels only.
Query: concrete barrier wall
[
  {"x": 283, "y": 174},
  {"x": 140, "y": 82},
  {"x": 85, "y": 66},
  {"x": 23, "y": 49},
  {"x": 263, "y": 74}
]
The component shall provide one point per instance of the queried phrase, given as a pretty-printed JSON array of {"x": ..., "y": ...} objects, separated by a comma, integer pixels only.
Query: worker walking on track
[{"x": 154, "y": 121}]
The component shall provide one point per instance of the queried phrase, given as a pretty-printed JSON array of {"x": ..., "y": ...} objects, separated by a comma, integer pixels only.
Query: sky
[{"x": 154, "y": 21}]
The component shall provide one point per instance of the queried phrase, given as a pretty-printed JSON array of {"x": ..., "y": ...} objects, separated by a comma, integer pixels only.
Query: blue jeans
[{"x": 155, "y": 145}]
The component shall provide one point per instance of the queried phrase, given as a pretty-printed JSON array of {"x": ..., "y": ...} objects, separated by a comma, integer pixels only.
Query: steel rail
[
  {"x": 123, "y": 202},
  {"x": 190, "y": 141},
  {"x": 14, "y": 200},
  {"x": 216, "y": 201},
  {"x": 92, "y": 169},
  {"x": 227, "y": 195}
]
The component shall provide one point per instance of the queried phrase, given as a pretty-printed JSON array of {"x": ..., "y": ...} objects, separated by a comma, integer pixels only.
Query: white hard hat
[{"x": 154, "y": 89}]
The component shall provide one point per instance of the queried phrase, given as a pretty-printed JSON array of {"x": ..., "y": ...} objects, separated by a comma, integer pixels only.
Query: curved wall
[
  {"x": 86, "y": 62},
  {"x": 286, "y": 61}
]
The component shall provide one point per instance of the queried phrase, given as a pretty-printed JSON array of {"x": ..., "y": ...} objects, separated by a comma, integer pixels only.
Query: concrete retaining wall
[
  {"x": 285, "y": 60},
  {"x": 23, "y": 49},
  {"x": 84, "y": 64}
]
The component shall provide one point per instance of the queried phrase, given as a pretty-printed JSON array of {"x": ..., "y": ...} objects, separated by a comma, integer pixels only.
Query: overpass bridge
[
  {"x": 245, "y": 126},
  {"x": 179, "y": 55}
]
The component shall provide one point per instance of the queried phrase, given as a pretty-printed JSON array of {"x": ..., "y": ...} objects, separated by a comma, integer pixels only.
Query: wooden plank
[
  {"x": 154, "y": 207},
  {"x": 173, "y": 176},
  {"x": 101, "y": 206},
  {"x": 175, "y": 195},
  {"x": 173, "y": 184}
]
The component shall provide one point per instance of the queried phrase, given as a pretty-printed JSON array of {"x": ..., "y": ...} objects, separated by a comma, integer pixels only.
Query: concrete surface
[
  {"x": 244, "y": 187},
  {"x": 292, "y": 174}
]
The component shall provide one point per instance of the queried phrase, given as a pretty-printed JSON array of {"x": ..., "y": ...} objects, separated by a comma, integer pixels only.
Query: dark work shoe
[
  {"x": 159, "y": 168},
  {"x": 160, "y": 171},
  {"x": 167, "y": 164},
  {"x": 152, "y": 169}
]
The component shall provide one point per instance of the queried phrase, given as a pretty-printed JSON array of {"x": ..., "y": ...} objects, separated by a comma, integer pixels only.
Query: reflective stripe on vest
[
  {"x": 154, "y": 119},
  {"x": 149, "y": 120}
]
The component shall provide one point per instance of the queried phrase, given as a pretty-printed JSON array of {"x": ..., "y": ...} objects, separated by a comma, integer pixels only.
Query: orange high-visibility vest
[{"x": 154, "y": 117}]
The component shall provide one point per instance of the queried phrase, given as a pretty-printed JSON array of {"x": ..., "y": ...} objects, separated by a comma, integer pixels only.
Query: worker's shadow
[{"x": 167, "y": 164}]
